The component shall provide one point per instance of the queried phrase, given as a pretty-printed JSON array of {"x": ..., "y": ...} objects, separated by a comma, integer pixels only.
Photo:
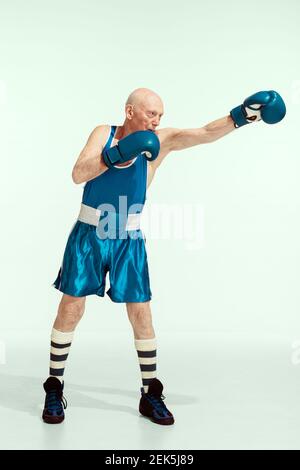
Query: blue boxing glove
[
  {"x": 131, "y": 146},
  {"x": 267, "y": 106}
]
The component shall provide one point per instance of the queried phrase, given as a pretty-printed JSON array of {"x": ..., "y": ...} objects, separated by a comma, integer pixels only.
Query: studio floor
[{"x": 226, "y": 391}]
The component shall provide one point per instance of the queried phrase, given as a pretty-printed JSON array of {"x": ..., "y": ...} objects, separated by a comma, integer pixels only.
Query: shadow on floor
[{"x": 26, "y": 394}]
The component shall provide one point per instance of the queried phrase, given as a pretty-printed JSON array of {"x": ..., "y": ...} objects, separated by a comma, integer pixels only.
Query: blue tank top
[{"x": 129, "y": 181}]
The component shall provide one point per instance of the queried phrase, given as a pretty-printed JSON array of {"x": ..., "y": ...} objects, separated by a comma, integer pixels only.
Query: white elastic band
[{"x": 90, "y": 215}]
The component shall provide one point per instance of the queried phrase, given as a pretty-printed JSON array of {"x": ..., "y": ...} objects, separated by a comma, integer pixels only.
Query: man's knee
[
  {"x": 139, "y": 315},
  {"x": 71, "y": 308}
]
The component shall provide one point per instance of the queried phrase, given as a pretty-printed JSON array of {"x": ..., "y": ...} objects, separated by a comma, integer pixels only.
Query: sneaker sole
[
  {"x": 53, "y": 419},
  {"x": 166, "y": 422}
]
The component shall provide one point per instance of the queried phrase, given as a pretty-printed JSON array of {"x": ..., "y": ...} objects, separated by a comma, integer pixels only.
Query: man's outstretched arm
[
  {"x": 263, "y": 105},
  {"x": 180, "y": 139},
  {"x": 172, "y": 139}
]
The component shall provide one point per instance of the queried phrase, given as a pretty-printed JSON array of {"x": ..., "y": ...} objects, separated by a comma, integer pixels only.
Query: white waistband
[{"x": 90, "y": 215}]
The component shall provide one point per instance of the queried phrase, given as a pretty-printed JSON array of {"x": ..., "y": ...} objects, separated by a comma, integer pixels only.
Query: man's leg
[
  {"x": 140, "y": 317},
  {"x": 69, "y": 313},
  {"x": 151, "y": 402}
]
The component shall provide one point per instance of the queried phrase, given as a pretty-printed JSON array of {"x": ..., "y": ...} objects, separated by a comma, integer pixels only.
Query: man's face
[{"x": 147, "y": 116}]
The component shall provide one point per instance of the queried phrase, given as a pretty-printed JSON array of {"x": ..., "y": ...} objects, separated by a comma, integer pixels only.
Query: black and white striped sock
[
  {"x": 60, "y": 346},
  {"x": 146, "y": 350}
]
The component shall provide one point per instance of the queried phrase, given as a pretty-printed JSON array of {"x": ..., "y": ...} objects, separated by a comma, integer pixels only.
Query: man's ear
[{"x": 129, "y": 111}]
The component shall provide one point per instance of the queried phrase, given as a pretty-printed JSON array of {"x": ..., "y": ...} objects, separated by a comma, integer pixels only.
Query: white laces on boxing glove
[{"x": 253, "y": 113}]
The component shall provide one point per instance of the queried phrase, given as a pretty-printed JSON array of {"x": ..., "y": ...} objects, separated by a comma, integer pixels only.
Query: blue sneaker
[
  {"x": 152, "y": 405},
  {"x": 55, "y": 402}
]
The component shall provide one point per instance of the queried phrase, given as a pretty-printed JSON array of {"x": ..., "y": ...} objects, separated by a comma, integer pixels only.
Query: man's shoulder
[
  {"x": 101, "y": 131},
  {"x": 101, "y": 128},
  {"x": 166, "y": 130},
  {"x": 166, "y": 135}
]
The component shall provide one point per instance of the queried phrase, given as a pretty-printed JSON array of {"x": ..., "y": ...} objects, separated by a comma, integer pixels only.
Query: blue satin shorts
[{"x": 88, "y": 258}]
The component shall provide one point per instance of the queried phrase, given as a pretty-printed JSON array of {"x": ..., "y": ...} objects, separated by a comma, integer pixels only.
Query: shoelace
[
  {"x": 52, "y": 399},
  {"x": 158, "y": 403}
]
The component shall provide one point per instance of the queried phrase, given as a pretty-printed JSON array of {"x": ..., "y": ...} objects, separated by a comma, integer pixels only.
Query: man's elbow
[{"x": 76, "y": 177}]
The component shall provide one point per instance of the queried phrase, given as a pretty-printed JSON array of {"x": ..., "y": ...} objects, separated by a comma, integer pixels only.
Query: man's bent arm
[{"x": 90, "y": 162}]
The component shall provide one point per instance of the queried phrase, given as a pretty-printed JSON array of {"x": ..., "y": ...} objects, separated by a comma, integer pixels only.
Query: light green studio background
[
  {"x": 226, "y": 315},
  {"x": 67, "y": 66}
]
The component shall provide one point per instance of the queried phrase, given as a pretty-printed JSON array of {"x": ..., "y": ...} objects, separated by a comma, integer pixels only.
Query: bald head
[{"x": 143, "y": 96}]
